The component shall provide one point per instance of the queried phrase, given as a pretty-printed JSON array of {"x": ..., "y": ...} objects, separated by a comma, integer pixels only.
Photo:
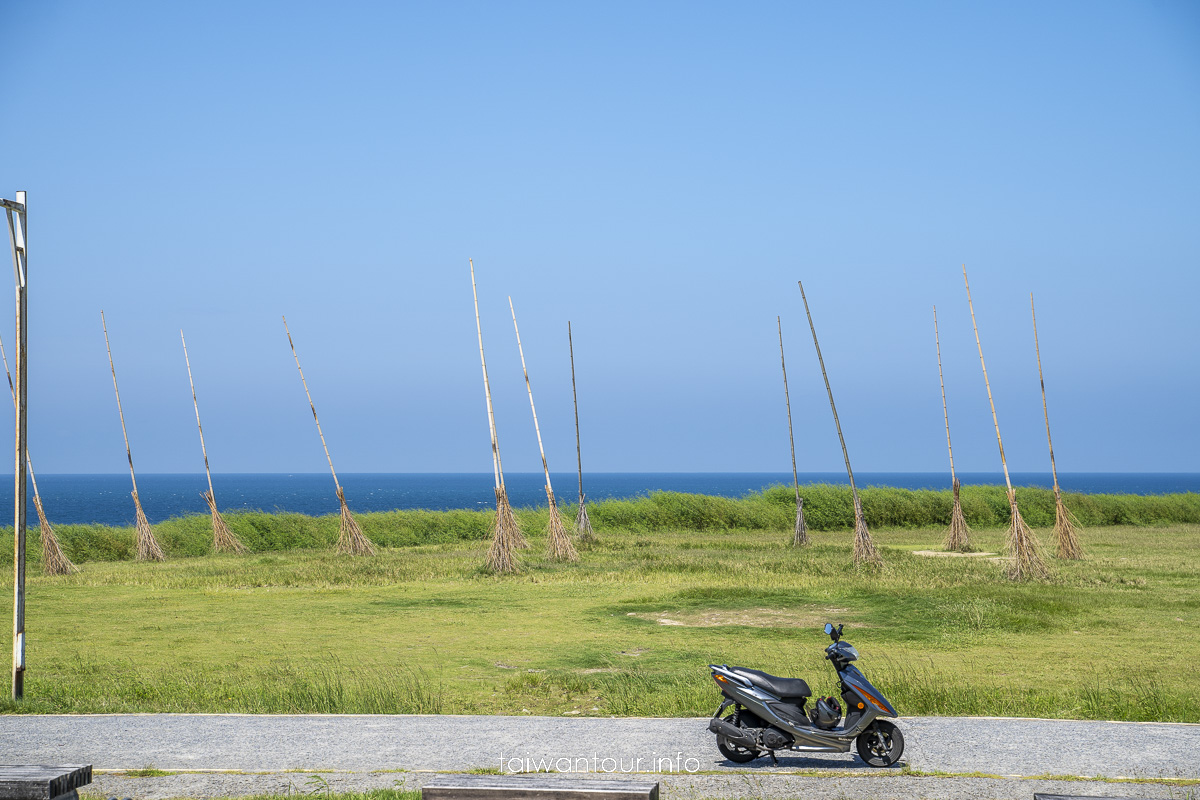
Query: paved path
[{"x": 674, "y": 748}]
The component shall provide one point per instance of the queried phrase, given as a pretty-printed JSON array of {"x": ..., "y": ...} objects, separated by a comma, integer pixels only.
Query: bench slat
[{"x": 42, "y": 782}]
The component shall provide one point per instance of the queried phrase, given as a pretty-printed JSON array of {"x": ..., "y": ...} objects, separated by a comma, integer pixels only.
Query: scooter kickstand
[{"x": 774, "y": 760}]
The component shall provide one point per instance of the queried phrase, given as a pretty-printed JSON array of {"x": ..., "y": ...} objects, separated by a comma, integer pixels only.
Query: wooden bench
[
  {"x": 59, "y": 782},
  {"x": 536, "y": 787}
]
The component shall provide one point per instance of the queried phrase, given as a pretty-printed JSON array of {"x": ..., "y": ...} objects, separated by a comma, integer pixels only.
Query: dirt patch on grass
[{"x": 750, "y": 617}]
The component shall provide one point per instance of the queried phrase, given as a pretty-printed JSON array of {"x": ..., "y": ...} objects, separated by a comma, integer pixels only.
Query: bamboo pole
[
  {"x": 864, "y": 548},
  {"x": 800, "y": 532},
  {"x": 958, "y": 534},
  {"x": 147, "y": 546},
  {"x": 351, "y": 540},
  {"x": 559, "y": 543},
  {"x": 506, "y": 533},
  {"x": 487, "y": 388},
  {"x": 54, "y": 560},
  {"x": 223, "y": 538},
  {"x": 1025, "y": 560},
  {"x": 583, "y": 525},
  {"x": 1066, "y": 526}
]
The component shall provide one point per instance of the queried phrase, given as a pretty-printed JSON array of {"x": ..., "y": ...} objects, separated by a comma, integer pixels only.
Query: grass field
[{"x": 421, "y": 628}]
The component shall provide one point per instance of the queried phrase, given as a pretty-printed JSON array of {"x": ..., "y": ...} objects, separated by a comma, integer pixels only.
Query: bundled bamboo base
[
  {"x": 1025, "y": 559},
  {"x": 583, "y": 524},
  {"x": 559, "y": 542},
  {"x": 1066, "y": 528},
  {"x": 54, "y": 560},
  {"x": 864, "y": 548},
  {"x": 351, "y": 540},
  {"x": 800, "y": 534},
  {"x": 506, "y": 537},
  {"x": 224, "y": 540},
  {"x": 518, "y": 535},
  {"x": 958, "y": 535},
  {"x": 147, "y": 545}
]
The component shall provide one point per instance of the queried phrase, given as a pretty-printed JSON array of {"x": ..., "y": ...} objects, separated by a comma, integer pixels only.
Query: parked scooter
[{"x": 771, "y": 713}]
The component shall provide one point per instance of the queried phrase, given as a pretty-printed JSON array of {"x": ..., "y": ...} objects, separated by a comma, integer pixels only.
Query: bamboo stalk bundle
[
  {"x": 506, "y": 533},
  {"x": 223, "y": 538},
  {"x": 583, "y": 525},
  {"x": 148, "y": 548},
  {"x": 560, "y": 546},
  {"x": 54, "y": 560},
  {"x": 351, "y": 540},
  {"x": 1066, "y": 526},
  {"x": 958, "y": 534},
  {"x": 1025, "y": 560},
  {"x": 864, "y": 548},
  {"x": 800, "y": 532}
]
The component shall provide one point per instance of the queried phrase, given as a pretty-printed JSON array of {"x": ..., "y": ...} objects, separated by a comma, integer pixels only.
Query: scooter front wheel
[
  {"x": 735, "y": 752},
  {"x": 881, "y": 744}
]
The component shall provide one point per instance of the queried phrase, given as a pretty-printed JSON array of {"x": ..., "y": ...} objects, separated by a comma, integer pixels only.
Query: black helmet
[{"x": 826, "y": 714}]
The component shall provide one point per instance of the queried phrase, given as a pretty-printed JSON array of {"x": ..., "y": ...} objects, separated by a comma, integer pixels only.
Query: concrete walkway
[{"x": 378, "y": 751}]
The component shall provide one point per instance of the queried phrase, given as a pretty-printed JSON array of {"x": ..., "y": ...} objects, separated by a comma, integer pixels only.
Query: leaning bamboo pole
[
  {"x": 54, "y": 560},
  {"x": 800, "y": 532},
  {"x": 223, "y": 538},
  {"x": 559, "y": 543},
  {"x": 1066, "y": 526},
  {"x": 864, "y": 548},
  {"x": 147, "y": 545},
  {"x": 1024, "y": 559},
  {"x": 583, "y": 524},
  {"x": 506, "y": 533},
  {"x": 958, "y": 534},
  {"x": 351, "y": 540}
]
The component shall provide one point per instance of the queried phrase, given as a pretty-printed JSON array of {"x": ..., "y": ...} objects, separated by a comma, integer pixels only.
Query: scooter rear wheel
[
  {"x": 735, "y": 752},
  {"x": 881, "y": 744}
]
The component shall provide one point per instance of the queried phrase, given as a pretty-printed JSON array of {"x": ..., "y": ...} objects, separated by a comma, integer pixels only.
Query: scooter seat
[{"x": 783, "y": 688}]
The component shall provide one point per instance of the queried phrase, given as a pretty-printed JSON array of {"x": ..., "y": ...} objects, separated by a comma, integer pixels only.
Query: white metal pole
[{"x": 18, "y": 232}]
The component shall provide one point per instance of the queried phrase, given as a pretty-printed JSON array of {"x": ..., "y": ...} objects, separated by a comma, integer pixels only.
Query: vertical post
[{"x": 18, "y": 237}]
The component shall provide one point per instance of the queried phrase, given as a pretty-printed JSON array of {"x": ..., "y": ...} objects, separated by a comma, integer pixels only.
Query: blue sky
[{"x": 661, "y": 174}]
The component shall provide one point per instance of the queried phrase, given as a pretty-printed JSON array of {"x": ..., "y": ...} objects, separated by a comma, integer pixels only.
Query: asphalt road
[{"x": 385, "y": 751}]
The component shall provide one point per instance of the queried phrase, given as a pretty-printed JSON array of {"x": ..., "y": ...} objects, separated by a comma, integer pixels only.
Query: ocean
[{"x": 71, "y": 499}]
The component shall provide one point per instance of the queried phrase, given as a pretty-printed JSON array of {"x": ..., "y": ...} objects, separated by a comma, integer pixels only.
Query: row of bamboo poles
[
  {"x": 507, "y": 535},
  {"x": 1024, "y": 553},
  {"x": 1024, "y": 556}
]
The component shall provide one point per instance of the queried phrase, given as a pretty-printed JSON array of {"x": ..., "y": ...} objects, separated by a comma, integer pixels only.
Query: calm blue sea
[{"x": 106, "y": 499}]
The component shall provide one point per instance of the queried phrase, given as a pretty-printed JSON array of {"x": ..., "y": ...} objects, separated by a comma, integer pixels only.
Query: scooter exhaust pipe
[{"x": 733, "y": 733}]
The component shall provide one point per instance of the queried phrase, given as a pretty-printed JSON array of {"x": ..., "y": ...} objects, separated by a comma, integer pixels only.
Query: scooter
[{"x": 771, "y": 713}]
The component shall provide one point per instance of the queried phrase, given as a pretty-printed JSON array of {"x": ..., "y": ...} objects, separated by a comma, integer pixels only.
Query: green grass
[
  {"x": 827, "y": 508},
  {"x": 148, "y": 771},
  {"x": 421, "y": 628}
]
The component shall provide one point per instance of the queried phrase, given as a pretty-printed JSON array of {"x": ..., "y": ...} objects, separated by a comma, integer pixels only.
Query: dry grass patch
[{"x": 748, "y": 617}]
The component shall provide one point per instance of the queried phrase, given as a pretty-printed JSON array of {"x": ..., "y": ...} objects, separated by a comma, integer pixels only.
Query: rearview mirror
[{"x": 828, "y": 628}]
